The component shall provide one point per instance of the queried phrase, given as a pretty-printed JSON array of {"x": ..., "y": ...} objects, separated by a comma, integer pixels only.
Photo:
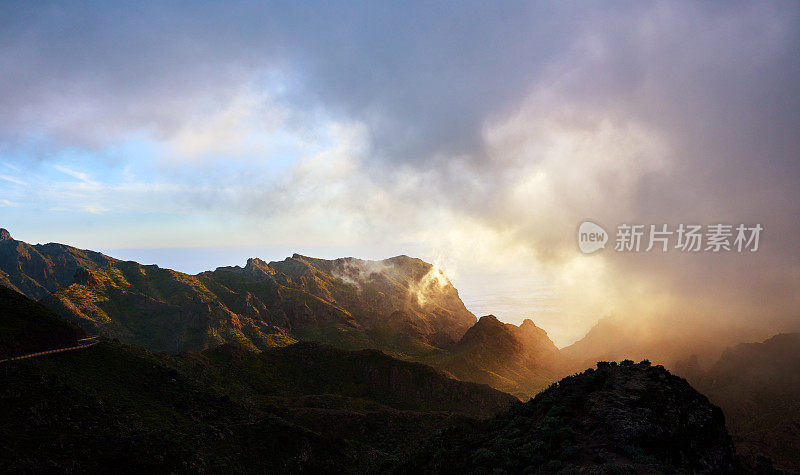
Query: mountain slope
[
  {"x": 27, "y": 326},
  {"x": 43, "y": 268},
  {"x": 306, "y": 407},
  {"x": 400, "y": 304},
  {"x": 627, "y": 418},
  {"x": 520, "y": 360},
  {"x": 659, "y": 340},
  {"x": 348, "y": 302},
  {"x": 111, "y": 406},
  {"x": 758, "y": 387},
  {"x": 160, "y": 309},
  {"x": 307, "y": 368}
]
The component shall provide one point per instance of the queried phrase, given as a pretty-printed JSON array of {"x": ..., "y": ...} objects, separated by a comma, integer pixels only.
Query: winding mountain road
[{"x": 86, "y": 343}]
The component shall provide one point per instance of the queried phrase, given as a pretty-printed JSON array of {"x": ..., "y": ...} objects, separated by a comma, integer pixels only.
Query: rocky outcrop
[
  {"x": 86, "y": 278},
  {"x": 618, "y": 418}
]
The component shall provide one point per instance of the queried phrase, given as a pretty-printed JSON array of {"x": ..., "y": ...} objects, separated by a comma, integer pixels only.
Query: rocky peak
[
  {"x": 491, "y": 332},
  {"x": 489, "y": 320},
  {"x": 5, "y": 235},
  {"x": 256, "y": 265},
  {"x": 515, "y": 350},
  {"x": 488, "y": 325},
  {"x": 527, "y": 334},
  {"x": 535, "y": 339},
  {"x": 293, "y": 265},
  {"x": 529, "y": 329},
  {"x": 254, "y": 262}
]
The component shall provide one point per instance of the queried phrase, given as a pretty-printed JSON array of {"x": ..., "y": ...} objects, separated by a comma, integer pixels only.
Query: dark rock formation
[{"x": 619, "y": 418}]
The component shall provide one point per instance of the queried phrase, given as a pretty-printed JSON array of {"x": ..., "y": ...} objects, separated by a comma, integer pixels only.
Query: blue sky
[{"x": 474, "y": 135}]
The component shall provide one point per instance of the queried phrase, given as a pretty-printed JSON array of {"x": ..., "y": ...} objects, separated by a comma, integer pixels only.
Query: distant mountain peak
[
  {"x": 527, "y": 327},
  {"x": 5, "y": 235},
  {"x": 491, "y": 332},
  {"x": 527, "y": 323},
  {"x": 489, "y": 320},
  {"x": 520, "y": 359},
  {"x": 254, "y": 263}
]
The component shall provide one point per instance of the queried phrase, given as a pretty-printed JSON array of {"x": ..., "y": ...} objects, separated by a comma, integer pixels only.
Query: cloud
[
  {"x": 433, "y": 67},
  {"x": 95, "y": 209},
  {"x": 485, "y": 132},
  {"x": 11, "y": 179},
  {"x": 74, "y": 174}
]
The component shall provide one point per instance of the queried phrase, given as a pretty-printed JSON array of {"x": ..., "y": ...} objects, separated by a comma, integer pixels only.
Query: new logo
[{"x": 591, "y": 237}]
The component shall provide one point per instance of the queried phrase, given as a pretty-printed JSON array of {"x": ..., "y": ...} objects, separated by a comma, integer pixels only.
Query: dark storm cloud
[{"x": 423, "y": 76}]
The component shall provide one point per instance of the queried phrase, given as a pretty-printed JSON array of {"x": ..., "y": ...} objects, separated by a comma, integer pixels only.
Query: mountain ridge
[{"x": 401, "y": 305}]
